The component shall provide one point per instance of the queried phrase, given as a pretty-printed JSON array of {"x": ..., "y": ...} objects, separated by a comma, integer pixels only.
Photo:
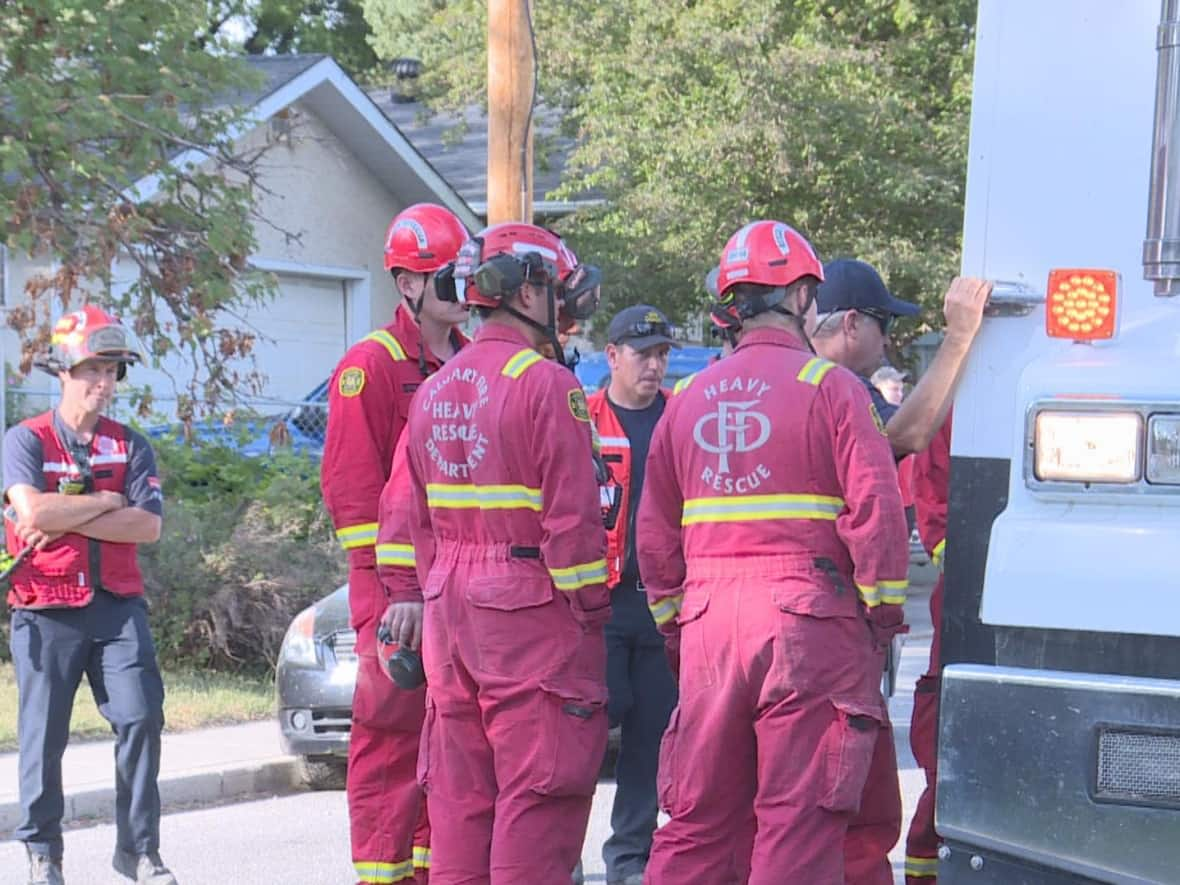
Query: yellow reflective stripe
[
  {"x": 666, "y": 609},
  {"x": 388, "y": 342},
  {"x": 377, "y": 871},
  {"x": 939, "y": 552},
  {"x": 893, "y": 592},
  {"x": 422, "y": 857},
  {"x": 575, "y": 577},
  {"x": 869, "y": 595},
  {"x": 520, "y": 361},
  {"x": 814, "y": 370},
  {"x": 921, "y": 867},
  {"x": 883, "y": 593},
  {"x": 395, "y": 554},
  {"x": 683, "y": 383},
  {"x": 361, "y": 535},
  {"x": 491, "y": 497},
  {"x": 735, "y": 508}
]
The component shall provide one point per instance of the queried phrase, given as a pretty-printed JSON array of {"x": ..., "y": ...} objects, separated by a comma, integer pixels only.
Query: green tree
[
  {"x": 95, "y": 97},
  {"x": 332, "y": 27},
  {"x": 846, "y": 118}
]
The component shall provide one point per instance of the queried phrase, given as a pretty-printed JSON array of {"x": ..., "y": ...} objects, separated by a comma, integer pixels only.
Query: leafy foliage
[
  {"x": 95, "y": 97},
  {"x": 246, "y": 546},
  {"x": 845, "y": 118},
  {"x": 333, "y": 27}
]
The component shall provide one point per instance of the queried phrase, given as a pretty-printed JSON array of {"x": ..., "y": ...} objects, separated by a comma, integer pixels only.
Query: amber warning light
[{"x": 1082, "y": 305}]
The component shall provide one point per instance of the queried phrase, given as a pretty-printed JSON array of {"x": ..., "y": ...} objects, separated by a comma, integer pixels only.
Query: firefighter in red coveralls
[
  {"x": 931, "y": 481},
  {"x": 772, "y": 545},
  {"x": 855, "y": 314},
  {"x": 508, "y": 541},
  {"x": 368, "y": 404}
]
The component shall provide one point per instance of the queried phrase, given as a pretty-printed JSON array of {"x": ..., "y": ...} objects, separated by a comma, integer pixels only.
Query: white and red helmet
[
  {"x": 88, "y": 334},
  {"x": 503, "y": 257},
  {"x": 423, "y": 238},
  {"x": 769, "y": 253}
]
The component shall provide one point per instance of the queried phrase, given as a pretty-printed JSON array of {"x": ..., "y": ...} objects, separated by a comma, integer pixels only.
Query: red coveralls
[
  {"x": 770, "y": 528},
  {"x": 932, "y": 470},
  {"x": 509, "y": 545},
  {"x": 368, "y": 401}
]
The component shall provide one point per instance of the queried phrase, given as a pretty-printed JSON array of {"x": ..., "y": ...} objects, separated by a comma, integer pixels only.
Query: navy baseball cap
[
  {"x": 641, "y": 326},
  {"x": 854, "y": 285}
]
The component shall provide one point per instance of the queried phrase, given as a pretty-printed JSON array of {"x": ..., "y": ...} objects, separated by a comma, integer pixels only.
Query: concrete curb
[{"x": 275, "y": 775}]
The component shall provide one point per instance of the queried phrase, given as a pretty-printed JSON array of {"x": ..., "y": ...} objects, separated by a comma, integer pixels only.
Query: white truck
[{"x": 1059, "y": 741}]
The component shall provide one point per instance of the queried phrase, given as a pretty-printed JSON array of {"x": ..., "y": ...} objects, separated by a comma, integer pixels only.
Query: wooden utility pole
[{"x": 510, "y": 94}]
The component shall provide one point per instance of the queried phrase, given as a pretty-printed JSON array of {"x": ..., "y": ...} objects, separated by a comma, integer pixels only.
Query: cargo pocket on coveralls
[
  {"x": 924, "y": 723},
  {"x": 428, "y": 725},
  {"x": 847, "y": 752},
  {"x": 516, "y": 625},
  {"x": 574, "y": 729},
  {"x": 666, "y": 775},
  {"x": 689, "y": 652}
]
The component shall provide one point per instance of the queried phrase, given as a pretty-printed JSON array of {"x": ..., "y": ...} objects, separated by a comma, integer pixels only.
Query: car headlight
[
  {"x": 299, "y": 645},
  {"x": 1163, "y": 449},
  {"x": 1088, "y": 446}
]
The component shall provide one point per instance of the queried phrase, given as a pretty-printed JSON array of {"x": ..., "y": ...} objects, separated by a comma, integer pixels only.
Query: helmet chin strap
[
  {"x": 549, "y": 329},
  {"x": 416, "y": 312},
  {"x": 778, "y": 308}
]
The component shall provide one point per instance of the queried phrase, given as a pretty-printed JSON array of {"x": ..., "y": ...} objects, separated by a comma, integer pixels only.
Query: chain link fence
[{"x": 255, "y": 427}]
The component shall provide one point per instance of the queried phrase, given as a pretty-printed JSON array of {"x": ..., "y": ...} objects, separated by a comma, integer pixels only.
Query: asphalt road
[{"x": 303, "y": 838}]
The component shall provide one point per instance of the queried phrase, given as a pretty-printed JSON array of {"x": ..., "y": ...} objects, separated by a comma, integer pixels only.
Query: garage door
[{"x": 302, "y": 334}]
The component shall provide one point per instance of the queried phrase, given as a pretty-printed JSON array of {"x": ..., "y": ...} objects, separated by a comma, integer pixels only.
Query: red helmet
[
  {"x": 505, "y": 256},
  {"x": 403, "y": 666},
  {"x": 423, "y": 238},
  {"x": 766, "y": 252},
  {"x": 87, "y": 334}
]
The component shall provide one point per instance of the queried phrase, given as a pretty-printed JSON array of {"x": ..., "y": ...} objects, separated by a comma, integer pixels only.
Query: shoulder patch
[
  {"x": 352, "y": 381},
  {"x": 578, "y": 407},
  {"x": 877, "y": 418}
]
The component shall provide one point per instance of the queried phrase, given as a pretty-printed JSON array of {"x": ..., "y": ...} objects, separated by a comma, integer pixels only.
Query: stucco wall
[{"x": 323, "y": 194}]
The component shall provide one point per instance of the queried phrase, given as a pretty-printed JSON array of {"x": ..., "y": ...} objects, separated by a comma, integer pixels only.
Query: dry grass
[{"x": 191, "y": 700}]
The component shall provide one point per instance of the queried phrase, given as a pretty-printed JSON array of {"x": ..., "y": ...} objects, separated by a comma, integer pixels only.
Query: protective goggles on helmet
[
  {"x": 450, "y": 280},
  {"x": 581, "y": 292}
]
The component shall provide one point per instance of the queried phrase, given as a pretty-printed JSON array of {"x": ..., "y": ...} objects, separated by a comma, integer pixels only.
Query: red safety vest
[
  {"x": 615, "y": 497},
  {"x": 59, "y": 576}
]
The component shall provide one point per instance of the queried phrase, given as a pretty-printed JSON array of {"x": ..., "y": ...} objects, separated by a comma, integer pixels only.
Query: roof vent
[{"x": 406, "y": 70}]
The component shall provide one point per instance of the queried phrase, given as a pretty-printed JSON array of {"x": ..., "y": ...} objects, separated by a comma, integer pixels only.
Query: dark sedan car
[{"x": 314, "y": 682}]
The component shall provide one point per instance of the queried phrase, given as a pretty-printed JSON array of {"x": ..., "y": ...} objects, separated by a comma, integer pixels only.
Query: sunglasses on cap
[
  {"x": 884, "y": 319},
  {"x": 644, "y": 329}
]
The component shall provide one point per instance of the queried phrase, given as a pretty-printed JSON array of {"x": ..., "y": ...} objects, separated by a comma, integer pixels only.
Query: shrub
[{"x": 246, "y": 545}]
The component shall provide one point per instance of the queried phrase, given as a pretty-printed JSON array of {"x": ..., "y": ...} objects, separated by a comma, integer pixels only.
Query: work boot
[
  {"x": 145, "y": 869},
  {"x": 44, "y": 870}
]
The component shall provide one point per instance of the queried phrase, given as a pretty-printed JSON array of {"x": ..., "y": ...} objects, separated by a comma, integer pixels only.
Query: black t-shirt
[
  {"x": 24, "y": 464},
  {"x": 639, "y": 425},
  {"x": 885, "y": 408}
]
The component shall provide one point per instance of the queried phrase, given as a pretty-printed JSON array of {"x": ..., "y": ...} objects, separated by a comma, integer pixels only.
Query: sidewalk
[{"x": 207, "y": 765}]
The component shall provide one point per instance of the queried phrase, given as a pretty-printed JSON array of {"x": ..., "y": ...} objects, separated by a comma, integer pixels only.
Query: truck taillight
[{"x": 1082, "y": 304}]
